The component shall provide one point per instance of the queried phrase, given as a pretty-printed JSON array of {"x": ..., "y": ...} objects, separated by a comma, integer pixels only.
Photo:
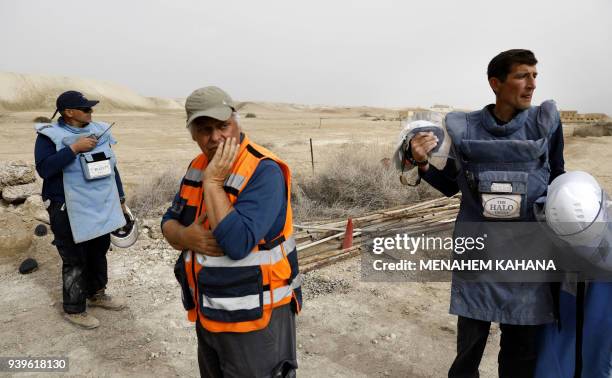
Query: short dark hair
[{"x": 500, "y": 66}]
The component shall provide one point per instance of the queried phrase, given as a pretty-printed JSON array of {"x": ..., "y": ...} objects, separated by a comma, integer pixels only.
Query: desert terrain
[{"x": 348, "y": 328}]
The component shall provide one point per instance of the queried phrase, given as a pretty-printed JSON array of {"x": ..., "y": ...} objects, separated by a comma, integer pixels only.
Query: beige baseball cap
[{"x": 209, "y": 102}]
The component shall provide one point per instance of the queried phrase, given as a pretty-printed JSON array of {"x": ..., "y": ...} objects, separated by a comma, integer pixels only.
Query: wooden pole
[{"x": 312, "y": 157}]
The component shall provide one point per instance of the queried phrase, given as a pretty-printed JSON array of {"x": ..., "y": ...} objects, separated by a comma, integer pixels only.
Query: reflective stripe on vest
[
  {"x": 234, "y": 181},
  {"x": 261, "y": 257},
  {"x": 249, "y": 302},
  {"x": 194, "y": 175}
]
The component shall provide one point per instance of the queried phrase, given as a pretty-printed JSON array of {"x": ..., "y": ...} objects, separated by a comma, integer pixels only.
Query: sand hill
[
  {"x": 22, "y": 92},
  {"x": 27, "y": 92}
]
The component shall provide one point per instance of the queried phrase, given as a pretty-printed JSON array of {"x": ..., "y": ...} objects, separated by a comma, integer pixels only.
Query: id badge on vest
[
  {"x": 96, "y": 166},
  {"x": 502, "y": 194}
]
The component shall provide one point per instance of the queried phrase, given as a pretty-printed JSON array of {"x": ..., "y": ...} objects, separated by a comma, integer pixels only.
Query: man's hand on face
[
  {"x": 84, "y": 144},
  {"x": 220, "y": 167},
  {"x": 198, "y": 239},
  {"x": 421, "y": 144}
]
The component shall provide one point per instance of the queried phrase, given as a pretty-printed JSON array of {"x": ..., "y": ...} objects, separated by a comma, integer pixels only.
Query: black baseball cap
[{"x": 72, "y": 100}]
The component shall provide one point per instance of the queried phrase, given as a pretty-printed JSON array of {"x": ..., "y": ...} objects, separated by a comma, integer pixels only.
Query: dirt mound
[{"x": 22, "y": 92}]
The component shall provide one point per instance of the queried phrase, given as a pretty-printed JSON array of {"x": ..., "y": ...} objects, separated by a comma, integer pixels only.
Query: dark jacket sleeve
[
  {"x": 49, "y": 161},
  {"x": 119, "y": 183},
  {"x": 170, "y": 212},
  {"x": 555, "y": 154},
  {"x": 444, "y": 180},
  {"x": 176, "y": 208}
]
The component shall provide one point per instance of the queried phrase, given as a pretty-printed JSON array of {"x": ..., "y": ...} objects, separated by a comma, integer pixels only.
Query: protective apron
[{"x": 92, "y": 198}]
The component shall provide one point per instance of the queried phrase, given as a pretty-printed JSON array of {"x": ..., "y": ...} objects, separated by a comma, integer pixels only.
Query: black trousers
[
  {"x": 517, "y": 355},
  {"x": 84, "y": 267},
  {"x": 269, "y": 352}
]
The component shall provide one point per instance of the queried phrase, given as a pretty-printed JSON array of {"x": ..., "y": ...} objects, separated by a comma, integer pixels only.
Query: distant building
[
  {"x": 435, "y": 114},
  {"x": 572, "y": 116},
  {"x": 441, "y": 108}
]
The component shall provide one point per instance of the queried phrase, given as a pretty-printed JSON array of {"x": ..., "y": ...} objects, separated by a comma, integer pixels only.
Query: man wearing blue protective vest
[
  {"x": 512, "y": 150},
  {"x": 85, "y": 197}
]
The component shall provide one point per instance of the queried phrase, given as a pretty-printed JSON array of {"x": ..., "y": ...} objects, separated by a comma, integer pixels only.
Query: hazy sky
[{"x": 374, "y": 52}]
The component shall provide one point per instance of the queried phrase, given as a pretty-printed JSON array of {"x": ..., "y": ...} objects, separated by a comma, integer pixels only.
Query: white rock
[
  {"x": 42, "y": 216},
  {"x": 16, "y": 173},
  {"x": 33, "y": 205},
  {"x": 20, "y": 193}
]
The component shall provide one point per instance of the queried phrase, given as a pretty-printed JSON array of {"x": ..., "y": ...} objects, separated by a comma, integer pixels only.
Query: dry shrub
[
  {"x": 355, "y": 180},
  {"x": 250, "y": 115},
  {"x": 155, "y": 194}
]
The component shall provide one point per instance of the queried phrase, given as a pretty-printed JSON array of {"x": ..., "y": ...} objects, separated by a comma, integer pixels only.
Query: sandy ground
[{"x": 348, "y": 327}]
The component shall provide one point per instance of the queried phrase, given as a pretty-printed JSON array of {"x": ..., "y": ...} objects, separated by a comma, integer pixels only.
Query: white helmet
[
  {"x": 576, "y": 209},
  {"x": 127, "y": 235}
]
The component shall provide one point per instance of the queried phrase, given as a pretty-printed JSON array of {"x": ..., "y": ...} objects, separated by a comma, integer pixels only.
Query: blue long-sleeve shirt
[
  {"x": 259, "y": 212},
  {"x": 50, "y": 164}
]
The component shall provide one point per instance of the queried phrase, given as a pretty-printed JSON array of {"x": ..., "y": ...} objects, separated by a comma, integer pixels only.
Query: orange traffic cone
[{"x": 347, "y": 242}]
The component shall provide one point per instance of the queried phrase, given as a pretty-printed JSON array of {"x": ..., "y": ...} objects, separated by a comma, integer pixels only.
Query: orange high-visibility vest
[{"x": 238, "y": 295}]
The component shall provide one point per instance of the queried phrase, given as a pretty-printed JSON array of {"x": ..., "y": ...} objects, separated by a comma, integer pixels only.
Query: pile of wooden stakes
[{"x": 319, "y": 243}]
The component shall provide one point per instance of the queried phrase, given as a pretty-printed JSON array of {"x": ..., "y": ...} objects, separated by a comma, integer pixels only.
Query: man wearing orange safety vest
[{"x": 238, "y": 266}]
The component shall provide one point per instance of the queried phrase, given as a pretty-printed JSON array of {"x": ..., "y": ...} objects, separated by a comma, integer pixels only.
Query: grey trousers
[{"x": 269, "y": 352}]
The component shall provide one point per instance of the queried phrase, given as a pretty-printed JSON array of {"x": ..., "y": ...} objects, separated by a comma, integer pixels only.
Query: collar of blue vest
[
  {"x": 489, "y": 123},
  {"x": 76, "y": 130}
]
